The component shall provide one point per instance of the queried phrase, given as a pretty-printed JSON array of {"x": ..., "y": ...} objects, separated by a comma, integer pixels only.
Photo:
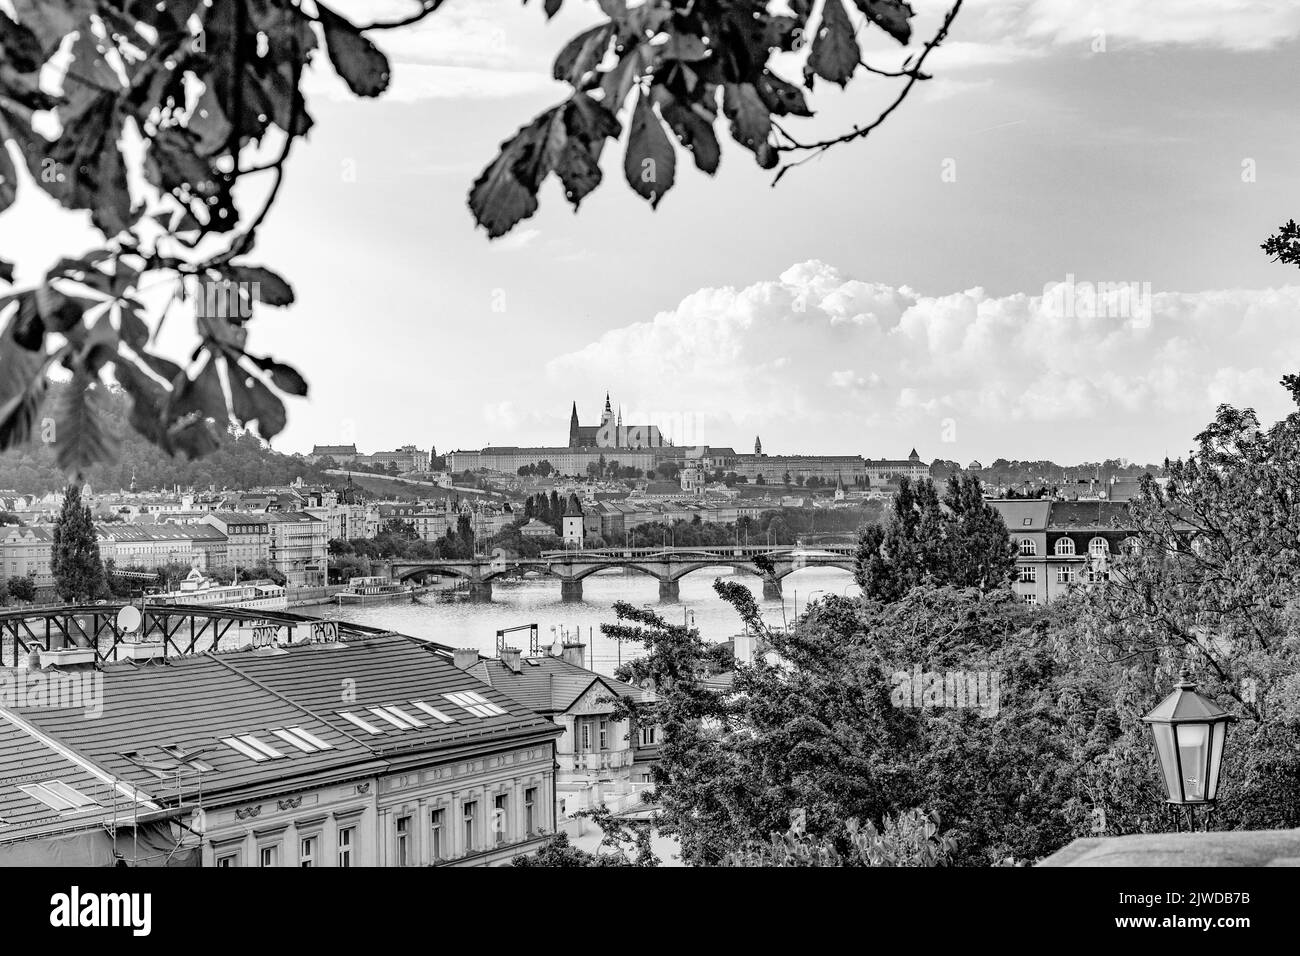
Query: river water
[{"x": 456, "y": 620}]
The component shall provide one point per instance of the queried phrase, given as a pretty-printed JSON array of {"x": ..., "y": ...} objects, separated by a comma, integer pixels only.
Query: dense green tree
[
  {"x": 949, "y": 697},
  {"x": 465, "y": 531},
  {"x": 74, "y": 556},
  {"x": 22, "y": 588},
  {"x": 623, "y": 843},
  {"x": 905, "y": 551},
  {"x": 907, "y": 839},
  {"x": 960, "y": 540},
  {"x": 978, "y": 552}
]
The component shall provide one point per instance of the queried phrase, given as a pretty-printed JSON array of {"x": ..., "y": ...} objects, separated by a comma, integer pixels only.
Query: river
[{"x": 460, "y": 622}]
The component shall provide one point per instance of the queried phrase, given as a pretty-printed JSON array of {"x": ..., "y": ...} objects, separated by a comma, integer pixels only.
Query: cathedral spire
[{"x": 758, "y": 445}]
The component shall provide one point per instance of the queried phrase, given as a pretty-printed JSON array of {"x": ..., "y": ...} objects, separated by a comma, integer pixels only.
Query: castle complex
[
  {"x": 611, "y": 432},
  {"x": 644, "y": 448}
]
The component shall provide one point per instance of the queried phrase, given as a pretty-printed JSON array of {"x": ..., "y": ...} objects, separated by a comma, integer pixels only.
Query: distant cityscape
[{"x": 622, "y": 479}]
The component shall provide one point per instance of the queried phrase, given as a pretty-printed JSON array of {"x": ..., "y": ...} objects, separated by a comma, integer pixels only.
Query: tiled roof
[
  {"x": 32, "y": 532},
  {"x": 1023, "y": 515},
  {"x": 1088, "y": 514},
  {"x": 290, "y": 517},
  {"x": 198, "y": 702},
  {"x": 386, "y": 671},
  {"x": 26, "y": 761},
  {"x": 192, "y": 703},
  {"x": 548, "y": 685},
  {"x": 239, "y": 517},
  {"x": 205, "y": 532}
]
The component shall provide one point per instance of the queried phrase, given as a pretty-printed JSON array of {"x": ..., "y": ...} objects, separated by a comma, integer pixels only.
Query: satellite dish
[
  {"x": 557, "y": 649},
  {"x": 128, "y": 619}
]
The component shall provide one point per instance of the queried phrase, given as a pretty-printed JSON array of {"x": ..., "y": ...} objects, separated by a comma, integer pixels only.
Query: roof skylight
[
  {"x": 356, "y": 721},
  {"x": 475, "y": 703}
]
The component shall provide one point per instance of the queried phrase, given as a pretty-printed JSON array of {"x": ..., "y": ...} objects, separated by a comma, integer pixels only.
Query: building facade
[
  {"x": 248, "y": 537},
  {"x": 1062, "y": 545},
  {"x": 422, "y": 764},
  {"x": 597, "y": 756},
  {"x": 298, "y": 547}
]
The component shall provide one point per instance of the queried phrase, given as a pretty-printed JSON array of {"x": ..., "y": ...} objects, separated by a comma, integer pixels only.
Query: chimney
[
  {"x": 743, "y": 648},
  {"x": 573, "y": 654},
  {"x": 465, "y": 657},
  {"x": 510, "y": 657},
  {"x": 141, "y": 651},
  {"x": 68, "y": 657}
]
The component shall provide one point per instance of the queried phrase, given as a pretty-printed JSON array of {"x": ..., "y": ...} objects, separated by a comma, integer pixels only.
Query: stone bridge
[{"x": 668, "y": 565}]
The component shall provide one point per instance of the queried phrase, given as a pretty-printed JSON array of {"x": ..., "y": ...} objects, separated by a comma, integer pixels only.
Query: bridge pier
[
  {"x": 771, "y": 589},
  {"x": 571, "y": 589},
  {"x": 480, "y": 590},
  {"x": 669, "y": 591}
]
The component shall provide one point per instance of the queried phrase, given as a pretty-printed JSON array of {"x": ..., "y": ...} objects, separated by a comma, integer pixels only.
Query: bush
[{"x": 909, "y": 839}]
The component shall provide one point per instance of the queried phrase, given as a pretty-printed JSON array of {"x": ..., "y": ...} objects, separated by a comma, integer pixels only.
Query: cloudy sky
[{"x": 913, "y": 289}]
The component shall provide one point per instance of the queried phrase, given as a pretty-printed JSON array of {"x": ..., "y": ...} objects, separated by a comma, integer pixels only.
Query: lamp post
[{"x": 1189, "y": 731}]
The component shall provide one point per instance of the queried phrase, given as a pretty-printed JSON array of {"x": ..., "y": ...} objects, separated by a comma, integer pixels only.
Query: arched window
[
  {"x": 1064, "y": 547},
  {"x": 1098, "y": 548},
  {"x": 1130, "y": 546},
  {"x": 1027, "y": 547}
]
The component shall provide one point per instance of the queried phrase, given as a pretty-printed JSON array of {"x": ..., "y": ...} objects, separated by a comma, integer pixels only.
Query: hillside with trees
[{"x": 240, "y": 460}]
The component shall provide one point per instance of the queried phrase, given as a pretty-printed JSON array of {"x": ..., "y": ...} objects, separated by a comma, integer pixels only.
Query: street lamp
[{"x": 1189, "y": 731}]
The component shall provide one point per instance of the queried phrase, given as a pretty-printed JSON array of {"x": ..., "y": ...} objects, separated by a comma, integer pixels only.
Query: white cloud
[
  {"x": 518, "y": 239},
  {"x": 501, "y": 414},
  {"x": 496, "y": 49},
  {"x": 1240, "y": 25},
  {"x": 831, "y": 361},
  {"x": 995, "y": 32}
]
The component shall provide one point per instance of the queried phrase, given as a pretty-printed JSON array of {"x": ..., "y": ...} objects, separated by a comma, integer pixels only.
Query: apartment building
[
  {"x": 1064, "y": 544},
  {"x": 418, "y": 763},
  {"x": 146, "y": 545},
  {"x": 596, "y": 756},
  {"x": 298, "y": 547},
  {"x": 25, "y": 552},
  {"x": 248, "y": 536}
]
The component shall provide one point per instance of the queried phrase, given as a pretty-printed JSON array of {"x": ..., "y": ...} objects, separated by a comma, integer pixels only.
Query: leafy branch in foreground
[
  {"x": 173, "y": 123},
  {"x": 677, "y": 63}
]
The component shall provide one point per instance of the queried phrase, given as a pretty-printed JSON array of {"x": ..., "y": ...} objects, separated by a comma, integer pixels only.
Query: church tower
[
  {"x": 573, "y": 427},
  {"x": 607, "y": 416},
  {"x": 758, "y": 445}
]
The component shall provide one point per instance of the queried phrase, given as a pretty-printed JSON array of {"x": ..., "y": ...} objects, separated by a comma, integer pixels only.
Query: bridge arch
[
  {"x": 587, "y": 571},
  {"x": 407, "y": 573},
  {"x": 843, "y": 564}
]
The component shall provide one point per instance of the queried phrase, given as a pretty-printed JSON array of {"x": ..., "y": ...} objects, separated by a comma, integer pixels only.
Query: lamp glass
[
  {"x": 1216, "y": 757},
  {"x": 1193, "y": 758},
  {"x": 1165, "y": 750}
]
